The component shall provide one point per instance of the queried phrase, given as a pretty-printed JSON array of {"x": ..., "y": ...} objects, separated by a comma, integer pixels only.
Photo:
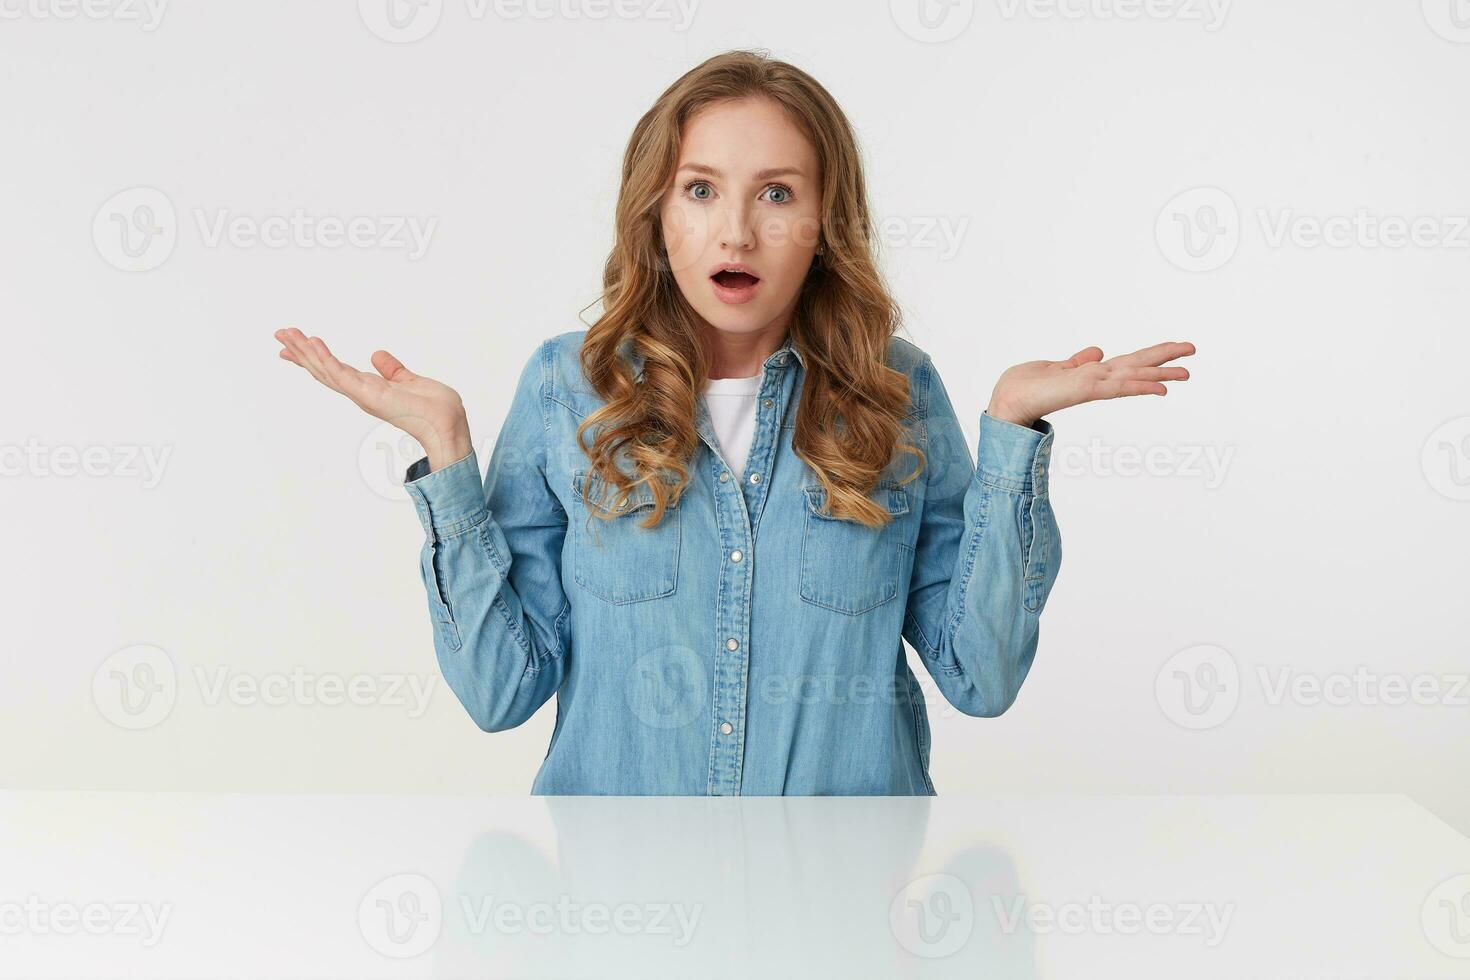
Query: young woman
[{"x": 709, "y": 518}]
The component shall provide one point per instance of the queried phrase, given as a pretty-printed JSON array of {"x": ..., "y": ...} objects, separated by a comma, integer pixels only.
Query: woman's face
[{"x": 746, "y": 191}]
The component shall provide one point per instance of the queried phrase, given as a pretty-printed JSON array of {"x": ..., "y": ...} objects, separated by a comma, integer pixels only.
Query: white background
[{"x": 1051, "y": 145}]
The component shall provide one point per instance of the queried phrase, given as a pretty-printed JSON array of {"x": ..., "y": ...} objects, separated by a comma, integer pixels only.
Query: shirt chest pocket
[
  {"x": 847, "y": 566},
  {"x": 615, "y": 559}
]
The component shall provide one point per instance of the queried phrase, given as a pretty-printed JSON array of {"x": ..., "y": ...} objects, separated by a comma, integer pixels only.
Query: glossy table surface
[{"x": 194, "y": 885}]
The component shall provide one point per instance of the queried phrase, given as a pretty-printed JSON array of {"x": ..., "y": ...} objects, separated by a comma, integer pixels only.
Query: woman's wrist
[
  {"x": 999, "y": 409},
  {"x": 449, "y": 443}
]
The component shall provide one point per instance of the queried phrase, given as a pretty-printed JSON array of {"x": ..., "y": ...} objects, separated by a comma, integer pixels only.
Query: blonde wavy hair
[{"x": 852, "y": 406}]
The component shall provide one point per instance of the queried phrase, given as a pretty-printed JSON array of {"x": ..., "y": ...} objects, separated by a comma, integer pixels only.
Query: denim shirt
[{"x": 749, "y": 644}]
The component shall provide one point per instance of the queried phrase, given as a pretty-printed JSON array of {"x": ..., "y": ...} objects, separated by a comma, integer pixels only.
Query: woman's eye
[
  {"x": 785, "y": 193},
  {"x": 694, "y": 188}
]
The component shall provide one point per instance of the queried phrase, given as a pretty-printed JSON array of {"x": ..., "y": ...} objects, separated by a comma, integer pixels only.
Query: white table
[{"x": 191, "y": 885}]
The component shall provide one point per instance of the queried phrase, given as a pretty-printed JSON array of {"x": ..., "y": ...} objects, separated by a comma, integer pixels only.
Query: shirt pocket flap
[
  {"x": 588, "y": 485},
  {"x": 888, "y": 494}
]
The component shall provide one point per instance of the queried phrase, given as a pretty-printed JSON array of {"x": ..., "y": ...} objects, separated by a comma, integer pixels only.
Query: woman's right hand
[{"x": 429, "y": 411}]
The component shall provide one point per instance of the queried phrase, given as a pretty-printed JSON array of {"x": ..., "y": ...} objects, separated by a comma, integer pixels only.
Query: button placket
[{"x": 732, "y": 614}]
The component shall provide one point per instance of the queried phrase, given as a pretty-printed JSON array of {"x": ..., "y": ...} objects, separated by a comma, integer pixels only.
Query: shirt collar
[{"x": 779, "y": 356}]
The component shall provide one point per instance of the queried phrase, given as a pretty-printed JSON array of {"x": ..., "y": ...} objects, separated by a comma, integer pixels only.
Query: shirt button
[
  {"x": 732, "y": 644},
  {"x": 755, "y": 478},
  {"x": 725, "y": 477},
  {"x": 767, "y": 403},
  {"x": 726, "y": 727},
  {"x": 735, "y": 555},
  {"x": 1040, "y": 469}
]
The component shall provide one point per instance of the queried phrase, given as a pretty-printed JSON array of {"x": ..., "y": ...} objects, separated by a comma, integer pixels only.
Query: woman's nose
[{"x": 737, "y": 230}]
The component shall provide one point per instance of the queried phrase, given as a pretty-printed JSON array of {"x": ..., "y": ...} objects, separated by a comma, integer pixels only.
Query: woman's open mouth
[{"x": 734, "y": 286}]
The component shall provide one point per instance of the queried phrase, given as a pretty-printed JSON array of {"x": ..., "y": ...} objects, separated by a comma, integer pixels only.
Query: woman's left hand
[{"x": 1028, "y": 391}]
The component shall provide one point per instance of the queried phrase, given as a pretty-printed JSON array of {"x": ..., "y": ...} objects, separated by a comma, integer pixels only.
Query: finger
[
  {"x": 391, "y": 367},
  {"x": 1157, "y": 354},
  {"x": 1156, "y": 374},
  {"x": 345, "y": 377},
  {"x": 1141, "y": 388},
  {"x": 1086, "y": 355},
  {"x": 304, "y": 355}
]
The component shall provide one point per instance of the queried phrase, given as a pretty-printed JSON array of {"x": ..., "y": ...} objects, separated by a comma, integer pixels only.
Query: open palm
[
  {"x": 1032, "y": 389},
  {"x": 428, "y": 410}
]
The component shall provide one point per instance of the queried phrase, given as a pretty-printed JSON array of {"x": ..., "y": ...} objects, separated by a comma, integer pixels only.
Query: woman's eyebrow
[{"x": 766, "y": 174}]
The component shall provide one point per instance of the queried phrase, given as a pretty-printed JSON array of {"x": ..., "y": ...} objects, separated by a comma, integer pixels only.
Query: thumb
[
  {"x": 391, "y": 367},
  {"x": 1084, "y": 356}
]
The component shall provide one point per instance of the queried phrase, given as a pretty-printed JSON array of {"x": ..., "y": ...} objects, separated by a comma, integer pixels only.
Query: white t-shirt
[{"x": 731, "y": 404}]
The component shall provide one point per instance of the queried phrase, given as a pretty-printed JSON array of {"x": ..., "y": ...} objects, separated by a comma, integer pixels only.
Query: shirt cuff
[
  {"x": 1014, "y": 457},
  {"x": 449, "y": 499}
]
